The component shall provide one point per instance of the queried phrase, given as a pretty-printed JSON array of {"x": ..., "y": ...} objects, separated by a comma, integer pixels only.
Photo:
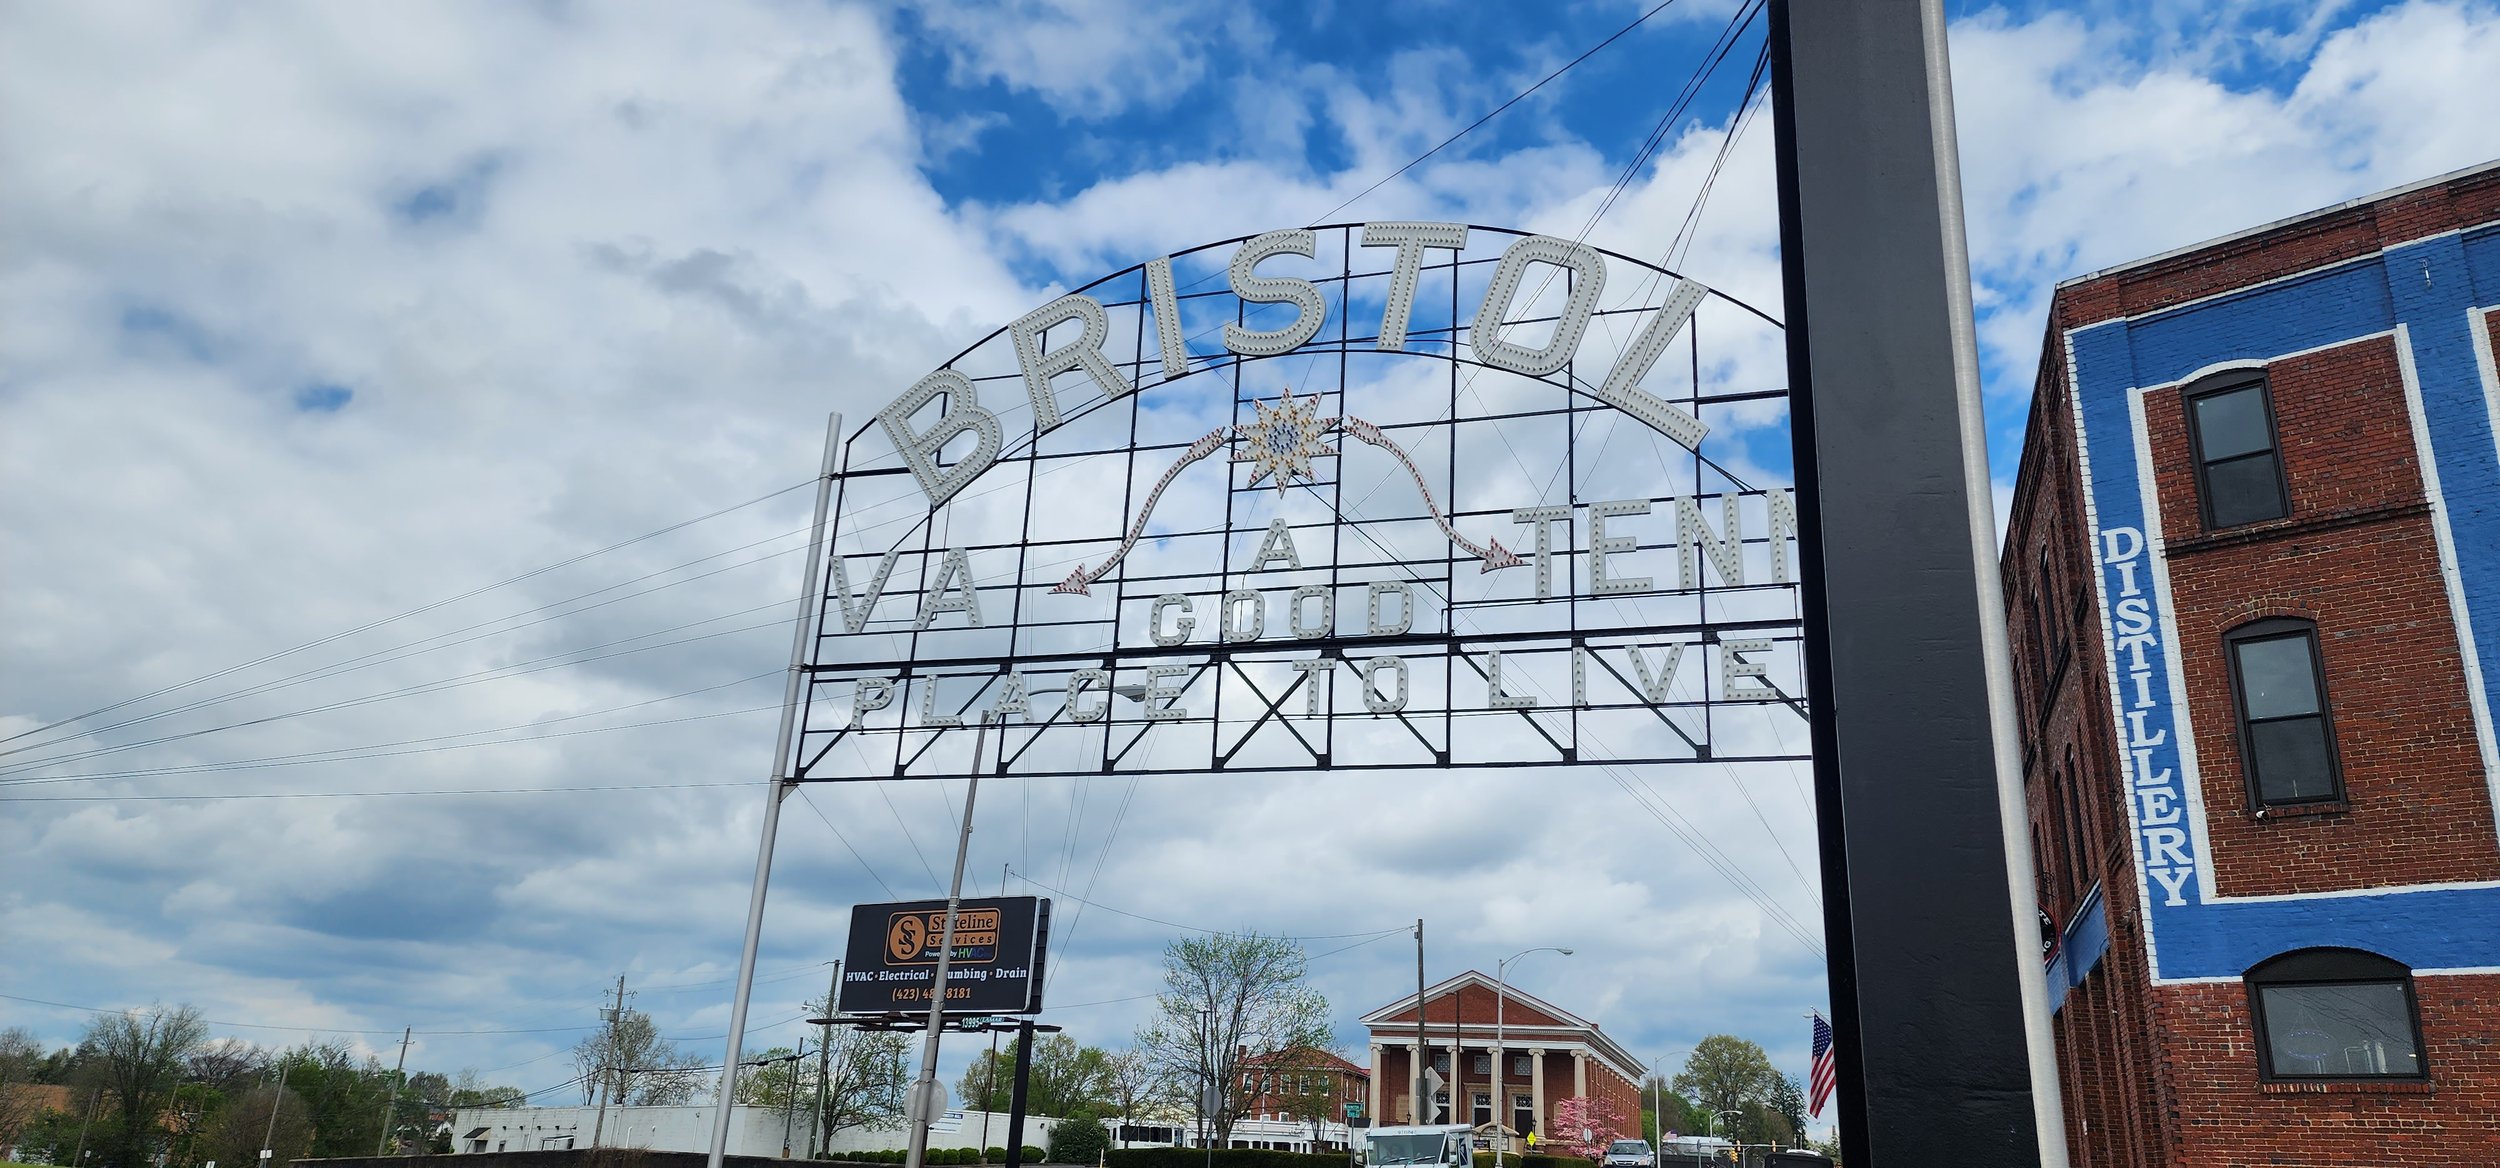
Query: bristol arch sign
[{"x": 1381, "y": 496}]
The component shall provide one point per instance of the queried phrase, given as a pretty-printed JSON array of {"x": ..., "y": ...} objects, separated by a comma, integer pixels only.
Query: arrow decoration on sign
[
  {"x": 1494, "y": 555},
  {"x": 1079, "y": 580}
]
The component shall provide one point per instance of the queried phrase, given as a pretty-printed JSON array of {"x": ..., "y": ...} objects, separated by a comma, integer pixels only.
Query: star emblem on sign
[{"x": 1283, "y": 437}]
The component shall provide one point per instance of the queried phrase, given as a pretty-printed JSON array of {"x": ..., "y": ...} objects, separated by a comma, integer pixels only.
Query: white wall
[{"x": 753, "y": 1131}]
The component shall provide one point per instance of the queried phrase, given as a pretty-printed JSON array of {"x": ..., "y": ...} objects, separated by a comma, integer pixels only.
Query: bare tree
[
  {"x": 141, "y": 1054},
  {"x": 225, "y": 1063},
  {"x": 637, "y": 1066},
  {"x": 20, "y": 1056},
  {"x": 1136, "y": 1084},
  {"x": 1228, "y": 999}
]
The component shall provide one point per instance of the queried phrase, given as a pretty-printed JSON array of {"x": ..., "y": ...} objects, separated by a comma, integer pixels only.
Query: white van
[{"x": 1432, "y": 1146}]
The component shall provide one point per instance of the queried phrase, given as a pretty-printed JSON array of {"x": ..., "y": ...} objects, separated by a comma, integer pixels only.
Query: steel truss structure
[{"x": 1332, "y": 556}]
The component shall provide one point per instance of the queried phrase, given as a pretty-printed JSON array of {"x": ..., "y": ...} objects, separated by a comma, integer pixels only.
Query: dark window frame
[
  {"x": 2234, "y": 381},
  {"x": 2327, "y": 967},
  {"x": 2269, "y": 629}
]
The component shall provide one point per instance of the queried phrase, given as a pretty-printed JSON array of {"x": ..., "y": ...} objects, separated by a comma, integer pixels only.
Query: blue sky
[{"x": 320, "y": 315}]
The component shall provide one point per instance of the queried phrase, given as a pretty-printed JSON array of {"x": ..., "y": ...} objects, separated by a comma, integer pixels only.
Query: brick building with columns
[{"x": 1517, "y": 1058}]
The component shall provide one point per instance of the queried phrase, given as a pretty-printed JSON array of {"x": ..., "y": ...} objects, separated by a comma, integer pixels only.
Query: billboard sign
[{"x": 996, "y": 967}]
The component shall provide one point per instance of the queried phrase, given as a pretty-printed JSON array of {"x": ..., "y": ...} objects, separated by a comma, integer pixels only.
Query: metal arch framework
[{"x": 1338, "y": 593}]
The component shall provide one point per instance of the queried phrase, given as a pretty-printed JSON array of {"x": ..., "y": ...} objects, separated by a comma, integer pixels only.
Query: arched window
[
  {"x": 2286, "y": 732},
  {"x": 2336, "y": 1014},
  {"x": 2239, "y": 474}
]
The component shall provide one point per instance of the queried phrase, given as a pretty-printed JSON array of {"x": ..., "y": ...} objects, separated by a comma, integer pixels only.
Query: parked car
[{"x": 1631, "y": 1154}]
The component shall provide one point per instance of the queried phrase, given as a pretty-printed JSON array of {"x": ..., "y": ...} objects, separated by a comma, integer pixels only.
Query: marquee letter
[
  {"x": 1277, "y": 546},
  {"x": 1080, "y": 682},
  {"x": 1300, "y": 293},
  {"x": 1159, "y": 697},
  {"x": 1084, "y": 353},
  {"x": 855, "y": 619},
  {"x": 955, "y": 573},
  {"x": 1600, "y": 544},
  {"x": 1654, "y": 686},
  {"x": 1693, "y": 538},
  {"x": 1229, "y": 624},
  {"x": 872, "y": 693},
  {"x": 1545, "y": 518},
  {"x": 1410, "y": 239},
  {"x": 1588, "y": 279},
  {"x": 1405, "y": 593},
  {"x": 2166, "y": 845},
  {"x": 1012, "y": 699},
  {"x": 1622, "y": 388},
  {"x": 928, "y": 706},
  {"x": 1376, "y": 701},
  {"x": 1327, "y": 598},
  {"x": 1736, "y": 673},
  {"x": 963, "y": 412},
  {"x": 1493, "y": 695},
  {"x": 2120, "y": 544},
  {"x": 1782, "y": 507},
  {"x": 1167, "y": 308},
  {"x": 1180, "y": 628},
  {"x": 1312, "y": 669}
]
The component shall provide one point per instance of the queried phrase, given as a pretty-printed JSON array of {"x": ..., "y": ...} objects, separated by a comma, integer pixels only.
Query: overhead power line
[{"x": 417, "y": 611}]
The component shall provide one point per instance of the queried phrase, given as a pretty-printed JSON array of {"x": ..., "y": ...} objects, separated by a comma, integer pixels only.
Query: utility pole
[
  {"x": 79, "y": 1157},
  {"x": 269, "y": 1136},
  {"x": 925, "y": 1089},
  {"x": 790, "y": 1096},
  {"x": 607, "y": 1051},
  {"x": 391, "y": 1107},
  {"x": 989, "y": 1073},
  {"x": 1416, "y": 1110},
  {"x": 824, "y": 1065}
]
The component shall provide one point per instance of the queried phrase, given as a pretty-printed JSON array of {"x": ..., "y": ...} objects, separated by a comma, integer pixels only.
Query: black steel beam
[{"x": 1927, "y": 997}]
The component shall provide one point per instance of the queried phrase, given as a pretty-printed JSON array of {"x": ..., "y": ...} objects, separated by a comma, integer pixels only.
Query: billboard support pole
[
  {"x": 777, "y": 788},
  {"x": 1015, "y": 1106},
  {"x": 925, "y": 1089},
  {"x": 1939, "y": 1009}
]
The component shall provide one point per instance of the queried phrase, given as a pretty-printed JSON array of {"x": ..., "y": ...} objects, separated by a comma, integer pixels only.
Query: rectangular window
[
  {"x": 2351, "y": 1030},
  {"x": 1484, "y": 1064},
  {"x": 2239, "y": 476},
  {"x": 1483, "y": 1111},
  {"x": 2285, "y": 737},
  {"x": 1523, "y": 1112}
]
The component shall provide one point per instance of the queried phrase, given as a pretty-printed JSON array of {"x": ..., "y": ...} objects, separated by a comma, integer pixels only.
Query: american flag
[{"x": 1826, "y": 1071}]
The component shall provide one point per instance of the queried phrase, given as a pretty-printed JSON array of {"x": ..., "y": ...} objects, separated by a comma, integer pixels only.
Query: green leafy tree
[
  {"x": 776, "y": 1078},
  {"x": 137, "y": 1058},
  {"x": 1137, "y": 1087},
  {"x": 234, "y": 1134},
  {"x": 1726, "y": 1073},
  {"x": 1788, "y": 1098},
  {"x": 1064, "y": 1078},
  {"x": 343, "y": 1095},
  {"x": 866, "y": 1079},
  {"x": 1228, "y": 998},
  {"x": 1078, "y": 1139}
]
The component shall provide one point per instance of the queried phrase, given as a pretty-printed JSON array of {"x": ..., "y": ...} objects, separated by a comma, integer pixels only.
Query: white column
[
  {"x": 1371, "y": 1106},
  {"x": 1416, "y": 1055},
  {"x": 1580, "y": 1073},
  {"x": 1536, "y": 1090},
  {"x": 1501, "y": 1107}
]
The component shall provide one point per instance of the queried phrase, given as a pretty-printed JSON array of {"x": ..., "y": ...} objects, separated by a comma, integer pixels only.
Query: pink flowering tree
[{"x": 1583, "y": 1128}]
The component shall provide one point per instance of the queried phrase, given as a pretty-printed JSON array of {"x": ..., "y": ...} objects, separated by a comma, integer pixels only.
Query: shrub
[
  {"x": 1079, "y": 1139},
  {"x": 1033, "y": 1155},
  {"x": 998, "y": 1155}
]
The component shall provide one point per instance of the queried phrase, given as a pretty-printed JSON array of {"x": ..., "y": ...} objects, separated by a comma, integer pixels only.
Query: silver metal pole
[
  {"x": 924, "y": 1090},
  {"x": 802, "y": 630},
  {"x": 1500, "y": 1054},
  {"x": 2048, "y": 1104}
]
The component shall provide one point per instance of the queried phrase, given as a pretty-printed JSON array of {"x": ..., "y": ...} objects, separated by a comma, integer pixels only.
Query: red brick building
[
  {"x": 2253, "y": 580},
  {"x": 1525, "y": 1053},
  {"x": 1302, "y": 1083}
]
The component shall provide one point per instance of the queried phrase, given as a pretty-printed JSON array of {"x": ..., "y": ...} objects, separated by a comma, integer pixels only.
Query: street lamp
[{"x": 1500, "y": 1052}]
